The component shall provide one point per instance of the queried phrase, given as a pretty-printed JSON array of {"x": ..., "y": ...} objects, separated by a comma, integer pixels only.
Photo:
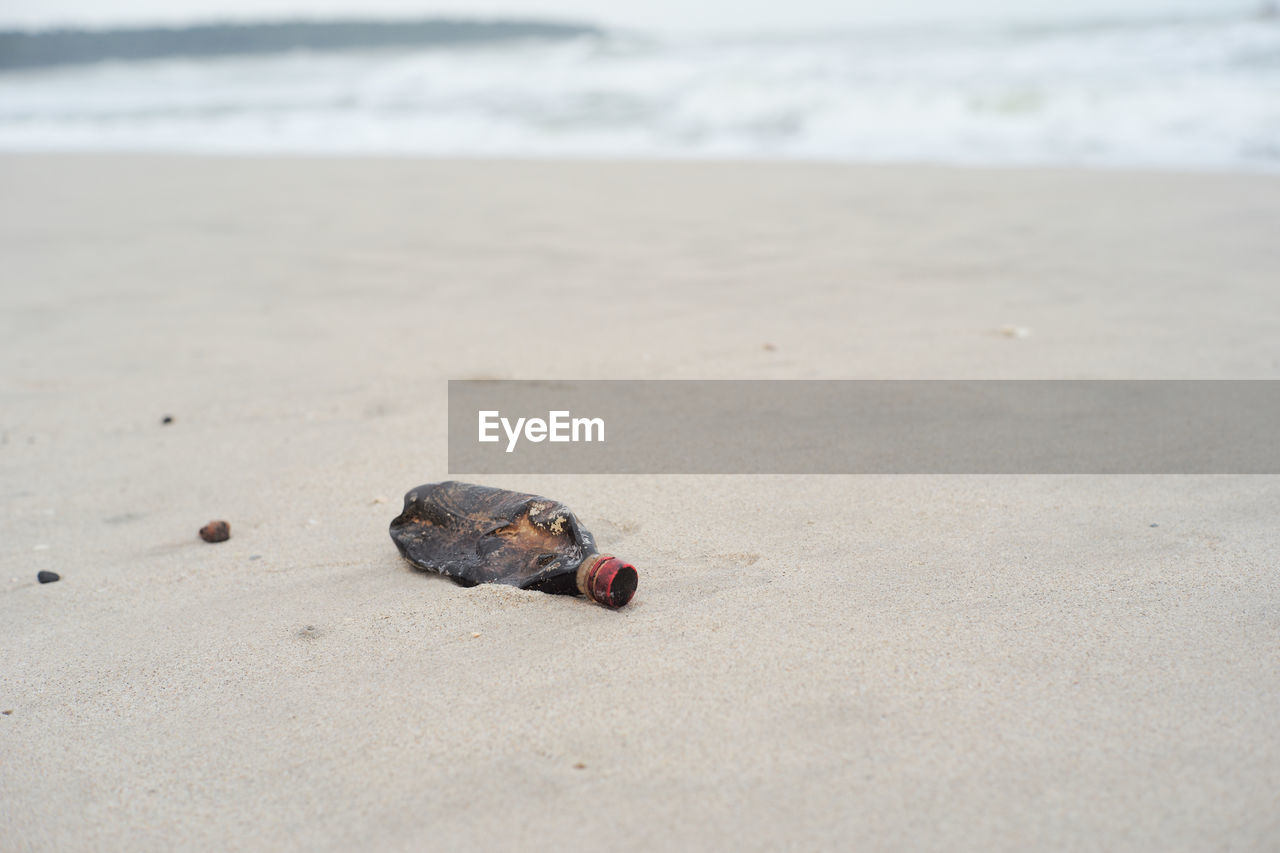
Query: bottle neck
[
  {"x": 587, "y": 571},
  {"x": 605, "y": 579}
]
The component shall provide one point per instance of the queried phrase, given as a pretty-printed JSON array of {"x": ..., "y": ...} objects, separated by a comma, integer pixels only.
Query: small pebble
[
  {"x": 579, "y": 766},
  {"x": 7, "y": 713},
  {"x": 475, "y": 633},
  {"x": 380, "y": 499},
  {"x": 166, "y": 420},
  {"x": 216, "y": 531},
  {"x": 1015, "y": 331},
  {"x": 48, "y": 577},
  {"x": 1153, "y": 524},
  {"x": 255, "y": 556},
  {"x": 769, "y": 348}
]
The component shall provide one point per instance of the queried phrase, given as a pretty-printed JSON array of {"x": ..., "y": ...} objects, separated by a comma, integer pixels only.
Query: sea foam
[{"x": 1179, "y": 94}]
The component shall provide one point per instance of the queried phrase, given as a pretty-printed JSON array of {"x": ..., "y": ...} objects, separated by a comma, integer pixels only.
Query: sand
[{"x": 972, "y": 663}]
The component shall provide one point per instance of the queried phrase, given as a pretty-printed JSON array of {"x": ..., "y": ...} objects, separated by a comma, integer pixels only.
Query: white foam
[{"x": 1185, "y": 95}]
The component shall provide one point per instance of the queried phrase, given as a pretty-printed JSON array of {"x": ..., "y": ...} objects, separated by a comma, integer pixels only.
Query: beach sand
[{"x": 830, "y": 662}]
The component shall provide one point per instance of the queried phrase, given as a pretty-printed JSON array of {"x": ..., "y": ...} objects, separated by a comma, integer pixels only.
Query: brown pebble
[
  {"x": 216, "y": 531},
  {"x": 579, "y": 766},
  {"x": 769, "y": 348},
  {"x": 8, "y": 712}
]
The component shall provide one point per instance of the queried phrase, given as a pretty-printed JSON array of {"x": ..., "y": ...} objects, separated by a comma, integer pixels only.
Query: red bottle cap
[{"x": 608, "y": 580}]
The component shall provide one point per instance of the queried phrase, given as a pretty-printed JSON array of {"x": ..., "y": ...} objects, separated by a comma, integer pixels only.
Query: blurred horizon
[
  {"x": 1178, "y": 91},
  {"x": 658, "y": 16}
]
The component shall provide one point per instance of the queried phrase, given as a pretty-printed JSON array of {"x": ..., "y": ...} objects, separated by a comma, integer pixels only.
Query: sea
[{"x": 1197, "y": 93}]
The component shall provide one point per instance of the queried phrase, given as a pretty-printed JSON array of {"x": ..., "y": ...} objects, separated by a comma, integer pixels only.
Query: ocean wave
[{"x": 1202, "y": 94}]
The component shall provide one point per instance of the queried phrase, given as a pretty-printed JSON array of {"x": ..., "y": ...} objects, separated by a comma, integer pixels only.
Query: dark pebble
[
  {"x": 166, "y": 420},
  {"x": 1155, "y": 525},
  {"x": 216, "y": 531},
  {"x": 48, "y": 577}
]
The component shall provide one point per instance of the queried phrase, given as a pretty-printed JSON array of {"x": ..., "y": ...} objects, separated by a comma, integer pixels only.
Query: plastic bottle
[{"x": 477, "y": 534}]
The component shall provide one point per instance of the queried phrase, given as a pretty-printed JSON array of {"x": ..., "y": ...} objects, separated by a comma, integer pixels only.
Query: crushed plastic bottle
[{"x": 477, "y": 534}]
